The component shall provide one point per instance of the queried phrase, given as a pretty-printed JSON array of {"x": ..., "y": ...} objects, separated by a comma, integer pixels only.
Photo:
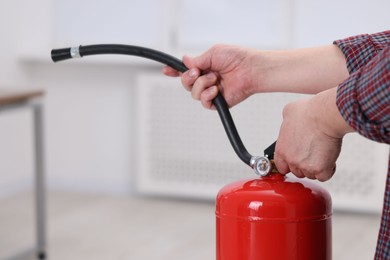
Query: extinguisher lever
[
  {"x": 270, "y": 151},
  {"x": 219, "y": 102}
]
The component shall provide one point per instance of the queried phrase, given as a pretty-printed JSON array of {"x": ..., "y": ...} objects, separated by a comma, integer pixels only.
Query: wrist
[
  {"x": 264, "y": 69},
  {"x": 327, "y": 116}
]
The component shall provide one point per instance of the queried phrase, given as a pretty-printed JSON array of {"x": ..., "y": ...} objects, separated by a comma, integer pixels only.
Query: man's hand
[
  {"x": 310, "y": 137},
  {"x": 225, "y": 68}
]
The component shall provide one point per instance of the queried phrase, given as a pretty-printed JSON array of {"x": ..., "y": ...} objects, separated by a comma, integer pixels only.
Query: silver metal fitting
[
  {"x": 261, "y": 165},
  {"x": 75, "y": 52}
]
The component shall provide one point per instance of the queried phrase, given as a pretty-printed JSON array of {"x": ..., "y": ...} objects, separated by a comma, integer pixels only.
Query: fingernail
[
  {"x": 210, "y": 75},
  {"x": 213, "y": 89},
  {"x": 192, "y": 73}
]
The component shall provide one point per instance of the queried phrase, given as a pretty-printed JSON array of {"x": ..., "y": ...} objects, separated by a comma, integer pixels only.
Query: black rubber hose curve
[{"x": 219, "y": 102}]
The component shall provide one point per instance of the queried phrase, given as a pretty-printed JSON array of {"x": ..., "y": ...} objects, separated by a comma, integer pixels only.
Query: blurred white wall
[
  {"x": 24, "y": 26},
  {"x": 90, "y": 104}
]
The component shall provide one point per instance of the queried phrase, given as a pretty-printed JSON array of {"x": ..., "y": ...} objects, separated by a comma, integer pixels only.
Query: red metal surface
[{"x": 273, "y": 218}]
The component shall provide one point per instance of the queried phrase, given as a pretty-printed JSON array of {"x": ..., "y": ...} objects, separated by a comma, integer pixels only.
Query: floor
[{"x": 107, "y": 227}]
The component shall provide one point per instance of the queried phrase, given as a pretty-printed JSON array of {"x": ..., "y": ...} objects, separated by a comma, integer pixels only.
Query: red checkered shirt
[{"x": 364, "y": 102}]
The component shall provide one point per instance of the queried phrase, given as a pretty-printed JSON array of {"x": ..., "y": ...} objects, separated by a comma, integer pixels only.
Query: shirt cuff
[{"x": 359, "y": 50}]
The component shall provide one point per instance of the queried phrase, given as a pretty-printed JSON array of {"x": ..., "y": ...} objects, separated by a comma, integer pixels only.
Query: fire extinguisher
[{"x": 274, "y": 217}]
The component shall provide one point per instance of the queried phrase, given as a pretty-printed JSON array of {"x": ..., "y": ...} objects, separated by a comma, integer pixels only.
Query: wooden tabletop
[{"x": 9, "y": 96}]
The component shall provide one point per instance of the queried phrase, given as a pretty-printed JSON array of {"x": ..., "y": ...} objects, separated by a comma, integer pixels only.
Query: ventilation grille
[{"x": 184, "y": 151}]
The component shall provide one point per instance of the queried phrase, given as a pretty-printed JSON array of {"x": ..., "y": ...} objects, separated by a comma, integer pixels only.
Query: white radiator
[{"x": 182, "y": 149}]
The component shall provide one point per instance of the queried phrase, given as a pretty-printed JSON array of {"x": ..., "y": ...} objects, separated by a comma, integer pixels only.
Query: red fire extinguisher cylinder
[{"x": 275, "y": 217}]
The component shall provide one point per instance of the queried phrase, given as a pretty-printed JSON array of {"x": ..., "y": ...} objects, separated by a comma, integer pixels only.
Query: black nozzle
[{"x": 60, "y": 54}]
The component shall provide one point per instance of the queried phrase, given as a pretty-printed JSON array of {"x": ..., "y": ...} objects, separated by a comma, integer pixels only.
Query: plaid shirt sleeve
[
  {"x": 359, "y": 50},
  {"x": 364, "y": 101},
  {"x": 364, "y": 98}
]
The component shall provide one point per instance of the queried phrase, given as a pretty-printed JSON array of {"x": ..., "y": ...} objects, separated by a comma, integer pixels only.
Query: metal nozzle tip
[{"x": 65, "y": 53}]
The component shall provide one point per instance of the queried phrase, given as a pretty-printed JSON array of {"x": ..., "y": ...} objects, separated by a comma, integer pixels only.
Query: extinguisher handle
[
  {"x": 219, "y": 102},
  {"x": 270, "y": 151}
]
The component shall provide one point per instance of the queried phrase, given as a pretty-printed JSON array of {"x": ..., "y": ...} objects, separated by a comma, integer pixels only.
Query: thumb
[
  {"x": 202, "y": 62},
  {"x": 189, "y": 62}
]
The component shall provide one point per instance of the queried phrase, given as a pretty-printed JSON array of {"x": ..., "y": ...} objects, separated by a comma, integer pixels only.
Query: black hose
[{"x": 219, "y": 102}]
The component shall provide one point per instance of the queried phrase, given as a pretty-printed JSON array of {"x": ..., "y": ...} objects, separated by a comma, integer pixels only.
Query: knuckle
[
  {"x": 201, "y": 81},
  {"x": 195, "y": 94},
  {"x": 323, "y": 177},
  {"x": 207, "y": 94},
  {"x": 310, "y": 171},
  {"x": 217, "y": 46},
  {"x": 186, "y": 82},
  {"x": 303, "y": 169},
  {"x": 286, "y": 110},
  {"x": 299, "y": 174},
  {"x": 281, "y": 165},
  {"x": 210, "y": 77},
  {"x": 188, "y": 88},
  {"x": 319, "y": 173},
  {"x": 206, "y": 104}
]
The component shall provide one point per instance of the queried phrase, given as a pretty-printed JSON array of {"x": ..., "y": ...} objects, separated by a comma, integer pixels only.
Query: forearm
[{"x": 308, "y": 71}]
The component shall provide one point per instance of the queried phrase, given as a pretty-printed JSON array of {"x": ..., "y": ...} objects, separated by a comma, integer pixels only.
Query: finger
[
  {"x": 299, "y": 173},
  {"x": 326, "y": 175},
  {"x": 188, "y": 61},
  {"x": 281, "y": 164},
  {"x": 202, "y": 62},
  {"x": 170, "y": 71},
  {"x": 202, "y": 83},
  {"x": 307, "y": 172},
  {"x": 207, "y": 97},
  {"x": 189, "y": 77}
]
